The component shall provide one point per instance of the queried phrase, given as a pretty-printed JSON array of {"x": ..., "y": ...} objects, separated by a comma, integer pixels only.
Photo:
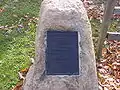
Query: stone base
[{"x": 66, "y": 15}]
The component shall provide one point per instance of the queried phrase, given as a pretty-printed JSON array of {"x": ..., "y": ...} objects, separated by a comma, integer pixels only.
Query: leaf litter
[{"x": 108, "y": 68}]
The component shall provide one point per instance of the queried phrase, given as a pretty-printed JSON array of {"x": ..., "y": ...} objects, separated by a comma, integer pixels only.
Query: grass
[
  {"x": 17, "y": 39},
  {"x": 96, "y": 27},
  {"x": 14, "y": 9}
]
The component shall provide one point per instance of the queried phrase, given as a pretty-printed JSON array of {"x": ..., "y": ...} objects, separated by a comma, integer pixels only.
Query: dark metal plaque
[
  {"x": 113, "y": 36},
  {"x": 62, "y": 53},
  {"x": 116, "y": 11}
]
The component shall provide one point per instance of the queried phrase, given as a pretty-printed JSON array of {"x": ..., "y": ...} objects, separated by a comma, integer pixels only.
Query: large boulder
[{"x": 66, "y": 15}]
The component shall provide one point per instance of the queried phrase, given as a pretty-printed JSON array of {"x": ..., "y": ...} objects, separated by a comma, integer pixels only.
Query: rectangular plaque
[
  {"x": 113, "y": 35},
  {"x": 116, "y": 11},
  {"x": 62, "y": 53}
]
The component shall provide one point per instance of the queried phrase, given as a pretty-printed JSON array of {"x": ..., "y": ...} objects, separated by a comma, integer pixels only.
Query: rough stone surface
[{"x": 63, "y": 15}]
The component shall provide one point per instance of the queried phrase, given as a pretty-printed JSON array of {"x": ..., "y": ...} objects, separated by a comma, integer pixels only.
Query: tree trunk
[{"x": 105, "y": 25}]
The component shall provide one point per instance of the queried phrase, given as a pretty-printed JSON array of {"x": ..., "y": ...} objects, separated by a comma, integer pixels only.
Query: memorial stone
[{"x": 64, "y": 49}]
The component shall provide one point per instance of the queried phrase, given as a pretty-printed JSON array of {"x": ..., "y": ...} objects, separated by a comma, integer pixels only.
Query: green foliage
[
  {"x": 95, "y": 24},
  {"x": 96, "y": 27},
  {"x": 16, "y": 49},
  {"x": 115, "y": 26},
  {"x": 17, "y": 39},
  {"x": 14, "y": 9}
]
